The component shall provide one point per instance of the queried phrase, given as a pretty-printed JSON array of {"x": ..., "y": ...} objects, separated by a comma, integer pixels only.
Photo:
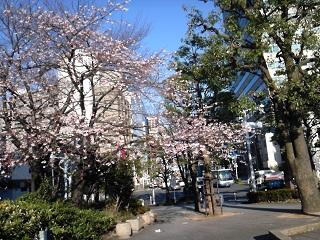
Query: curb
[{"x": 284, "y": 234}]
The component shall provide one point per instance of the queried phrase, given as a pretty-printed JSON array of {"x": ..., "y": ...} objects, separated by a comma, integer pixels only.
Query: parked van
[{"x": 223, "y": 177}]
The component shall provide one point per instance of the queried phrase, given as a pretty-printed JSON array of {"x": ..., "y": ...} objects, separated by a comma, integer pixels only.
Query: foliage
[
  {"x": 43, "y": 193},
  {"x": 54, "y": 61},
  {"x": 119, "y": 184},
  {"x": 276, "y": 195},
  {"x": 207, "y": 83},
  {"x": 237, "y": 180},
  {"x": 23, "y": 220},
  {"x": 135, "y": 207},
  {"x": 278, "y": 41}
]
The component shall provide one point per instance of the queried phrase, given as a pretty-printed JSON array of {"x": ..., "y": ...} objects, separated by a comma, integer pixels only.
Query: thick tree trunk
[
  {"x": 77, "y": 188},
  {"x": 297, "y": 155},
  {"x": 288, "y": 167},
  {"x": 305, "y": 178},
  {"x": 208, "y": 186}
]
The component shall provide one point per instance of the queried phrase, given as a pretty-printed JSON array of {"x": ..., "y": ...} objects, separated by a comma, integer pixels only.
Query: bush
[
  {"x": 24, "y": 219},
  {"x": 17, "y": 222},
  {"x": 119, "y": 184},
  {"x": 237, "y": 180},
  {"x": 135, "y": 207},
  {"x": 277, "y": 195}
]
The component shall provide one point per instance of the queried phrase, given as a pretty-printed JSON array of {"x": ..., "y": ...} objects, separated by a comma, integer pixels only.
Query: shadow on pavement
[
  {"x": 264, "y": 237},
  {"x": 187, "y": 207},
  {"x": 268, "y": 209}
]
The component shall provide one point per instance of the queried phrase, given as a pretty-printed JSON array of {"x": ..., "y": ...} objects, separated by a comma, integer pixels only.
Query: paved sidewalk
[
  {"x": 239, "y": 222},
  {"x": 314, "y": 235}
]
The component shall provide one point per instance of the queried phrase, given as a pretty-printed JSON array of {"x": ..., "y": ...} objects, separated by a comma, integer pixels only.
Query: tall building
[{"x": 266, "y": 151}]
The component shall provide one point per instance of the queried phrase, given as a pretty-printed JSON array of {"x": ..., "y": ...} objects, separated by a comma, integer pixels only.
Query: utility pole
[{"x": 252, "y": 178}]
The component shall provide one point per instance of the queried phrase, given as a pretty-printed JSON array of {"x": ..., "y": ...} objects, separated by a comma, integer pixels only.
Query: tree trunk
[
  {"x": 309, "y": 138},
  {"x": 297, "y": 154},
  {"x": 193, "y": 174},
  {"x": 167, "y": 189},
  {"x": 37, "y": 174},
  {"x": 77, "y": 188},
  {"x": 96, "y": 192},
  {"x": 305, "y": 178},
  {"x": 208, "y": 186},
  {"x": 165, "y": 179},
  {"x": 183, "y": 173}
]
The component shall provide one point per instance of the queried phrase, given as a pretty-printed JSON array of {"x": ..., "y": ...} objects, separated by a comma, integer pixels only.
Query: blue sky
[{"x": 167, "y": 20}]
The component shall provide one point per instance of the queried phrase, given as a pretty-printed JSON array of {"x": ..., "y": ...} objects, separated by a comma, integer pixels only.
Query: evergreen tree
[{"x": 257, "y": 36}]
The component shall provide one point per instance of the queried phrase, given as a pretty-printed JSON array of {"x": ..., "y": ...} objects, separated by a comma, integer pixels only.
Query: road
[
  {"x": 160, "y": 195},
  {"x": 240, "y": 220},
  {"x": 236, "y": 191}
]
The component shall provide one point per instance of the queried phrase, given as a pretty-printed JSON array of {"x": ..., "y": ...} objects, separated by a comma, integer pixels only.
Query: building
[
  {"x": 265, "y": 151},
  {"x": 17, "y": 184}
]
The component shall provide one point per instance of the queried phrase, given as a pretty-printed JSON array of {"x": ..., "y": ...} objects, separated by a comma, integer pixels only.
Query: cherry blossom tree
[
  {"x": 200, "y": 142},
  {"x": 66, "y": 84},
  {"x": 192, "y": 136},
  {"x": 159, "y": 163}
]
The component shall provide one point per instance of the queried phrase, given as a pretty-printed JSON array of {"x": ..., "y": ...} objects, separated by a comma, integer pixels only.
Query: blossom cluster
[{"x": 64, "y": 82}]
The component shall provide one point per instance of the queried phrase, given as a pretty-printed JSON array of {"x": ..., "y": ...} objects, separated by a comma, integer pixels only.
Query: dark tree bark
[
  {"x": 77, "y": 187},
  {"x": 209, "y": 191},
  {"x": 196, "y": 196},
  {"x": 297, "y": 156},
  {"x": 305, "y": 177}
]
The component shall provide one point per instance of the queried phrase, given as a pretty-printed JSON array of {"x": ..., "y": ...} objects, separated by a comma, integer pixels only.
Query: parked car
[{"x": 223, "y": 177}]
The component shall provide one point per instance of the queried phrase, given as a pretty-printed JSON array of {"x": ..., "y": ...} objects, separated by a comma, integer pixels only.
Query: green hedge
[
  {"x": 23, "y": 220},
  {"x": 276, "y": 195}
]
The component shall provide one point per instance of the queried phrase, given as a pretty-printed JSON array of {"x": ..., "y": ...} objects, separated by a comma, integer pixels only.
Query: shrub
[
  {"x": 277, "y": 195},
  {"x": 135, "y": 207},
  {"x": 17, "y": 222},
  {"x": 43, "y": 193},
  {"x": 23, "y": 220},
  {"x": 237, "y": 180},
  {"x": 119, "y": 184}
]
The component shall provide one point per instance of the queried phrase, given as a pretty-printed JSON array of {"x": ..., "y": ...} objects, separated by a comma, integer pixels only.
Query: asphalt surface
[
  {"x": 315, "y": 235},
  {"x": 240, "y": 220}
]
